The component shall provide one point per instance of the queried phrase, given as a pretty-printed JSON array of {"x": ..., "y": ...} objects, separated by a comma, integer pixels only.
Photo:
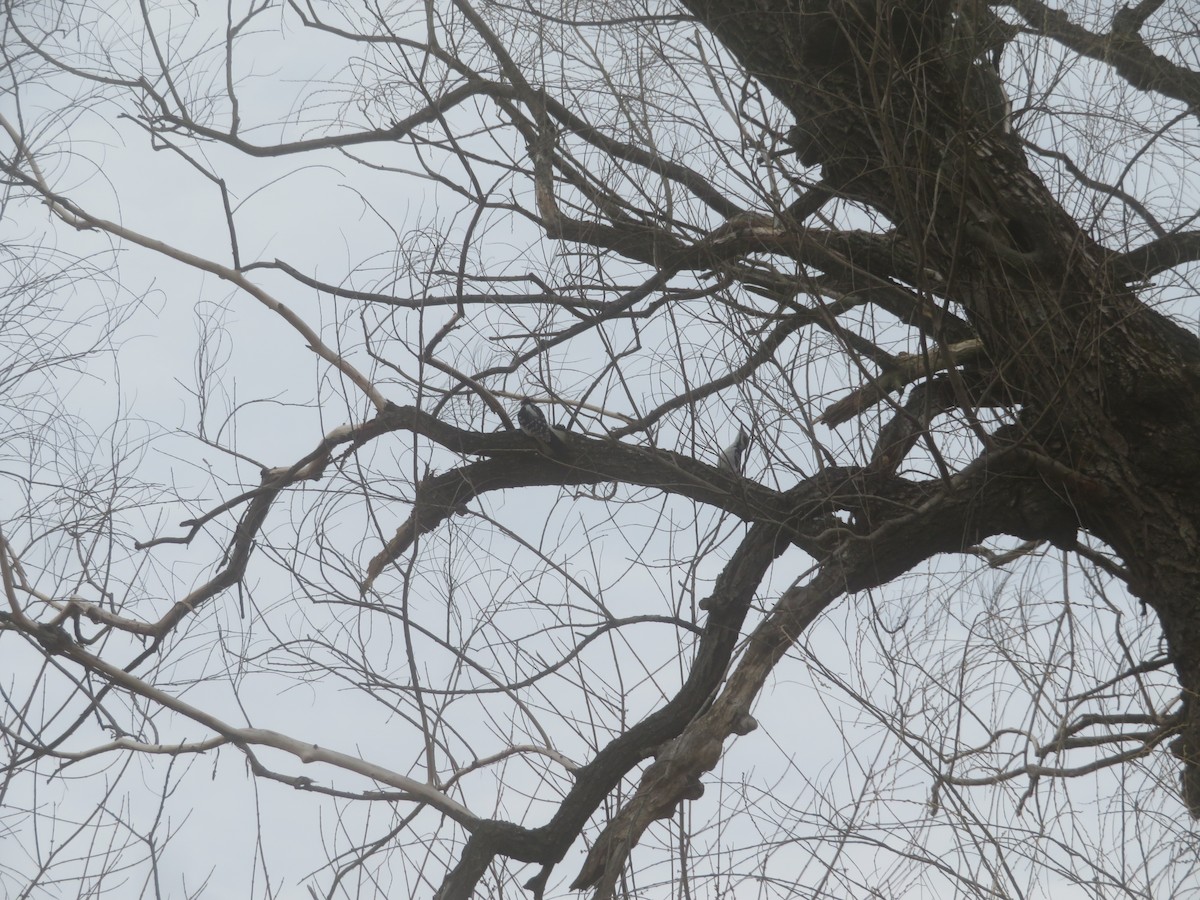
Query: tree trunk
[{"x": 1105, "y": 391}]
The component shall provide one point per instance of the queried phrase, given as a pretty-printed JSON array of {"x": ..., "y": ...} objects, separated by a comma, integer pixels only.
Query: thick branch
[
  {"x": 860, "y": 563},
  {"x": 735, "y": 589},
  {"x": 1157, "y": 256},
  {"x": 1123, "y": 49}
]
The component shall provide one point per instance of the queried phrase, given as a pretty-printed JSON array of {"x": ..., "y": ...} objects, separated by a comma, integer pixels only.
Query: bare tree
[{"x": 849, "y": 545}]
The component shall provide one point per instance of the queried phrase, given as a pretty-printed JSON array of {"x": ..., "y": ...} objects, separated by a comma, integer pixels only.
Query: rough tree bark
[
  {"x": 1105, "y": 391},
  {"x": 1016, "y": 308},
  {"x": 1108, "y": 389}
]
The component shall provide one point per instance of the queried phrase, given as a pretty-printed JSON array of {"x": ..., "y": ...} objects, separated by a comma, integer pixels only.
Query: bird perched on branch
[
  {"x": 732, "y": 457},
  {"x": 533, "y": 423}
]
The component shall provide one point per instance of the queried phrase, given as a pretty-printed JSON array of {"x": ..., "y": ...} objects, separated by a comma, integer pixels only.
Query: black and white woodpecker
[
  {"x": 533, "y": 423},
  {"x": 733, "y": 457}
]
